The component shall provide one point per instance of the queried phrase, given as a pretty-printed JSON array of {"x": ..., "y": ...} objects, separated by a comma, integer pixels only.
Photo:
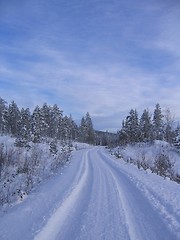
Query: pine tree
[
  {"x": 132, "y": 127},
  {"x": 123, "y": 134},
  {"x": 24, "y": 129},
  {"x": 145, "y": 126},
  {"x": 36, "y": 125},
  {"x": 90, "y": 130},
  {"x": 13, "y": 118},
  {"x": 176, "y": 139},
  {"x": 56, "y": 122},
  {"x": 87, "y": 133},
  {"x": 66, "y": 129},
  {"x": 45, "y": 119},
  {"x": 82, "y": 131},
  {"x": 53, "y": 147},
  {"x": 158, "y": 125},
  {"x": 169, "y": 132},
  {"x": 73, "y": 132},
  {"x": 3, "y": 110}
]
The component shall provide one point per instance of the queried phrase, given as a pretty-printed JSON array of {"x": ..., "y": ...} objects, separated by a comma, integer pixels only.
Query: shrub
[{"x": 163, "y": 166}]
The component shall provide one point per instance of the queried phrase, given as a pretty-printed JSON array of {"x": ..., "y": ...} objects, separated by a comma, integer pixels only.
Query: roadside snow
[
  {"x": 148, "y": 152},
  {"x": 163, "y": 193},
  {"x": 22, "y": 169}
]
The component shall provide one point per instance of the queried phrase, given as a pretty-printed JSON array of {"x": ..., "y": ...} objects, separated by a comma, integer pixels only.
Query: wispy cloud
[{"x": 103, "y": 58}]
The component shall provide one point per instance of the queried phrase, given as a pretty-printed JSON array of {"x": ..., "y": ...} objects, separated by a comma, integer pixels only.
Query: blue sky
[{"x": 101, "y": 56}]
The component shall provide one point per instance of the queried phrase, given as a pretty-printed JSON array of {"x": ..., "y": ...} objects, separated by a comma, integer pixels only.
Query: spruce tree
[
  {"x": 158, "y": 125},
  {"x": 55, "y": 124},
  {"x": 45, "y": 119},
  {"x": 90, "y": 130},
  {"x": 145, "y": 126},
  {"x": 87, "y": 133},
  {"x": 123, "y": 134},
  {"x": 176, "y": 139},
  {"x": 24, "y": 129},
  {"x": 3, "y": 109},
  {"x": 36, "y": 125},
  {"x": 132, "y": 127},
  {"x": 53, "y": 147},
  {"x": 82, "y": 130},
  {"x": 169, "y": 132},
  {"x": 13, "y": 118}
]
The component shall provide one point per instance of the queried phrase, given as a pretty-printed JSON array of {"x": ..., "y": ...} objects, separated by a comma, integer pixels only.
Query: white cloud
[
  {"x": 86, "y": 79},
  {"x": 99, "y": 89}
]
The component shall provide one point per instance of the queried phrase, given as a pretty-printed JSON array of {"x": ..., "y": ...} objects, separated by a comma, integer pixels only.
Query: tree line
[
  {"x": 149, "y": 127},
  {"x": 47, "y": 122}
]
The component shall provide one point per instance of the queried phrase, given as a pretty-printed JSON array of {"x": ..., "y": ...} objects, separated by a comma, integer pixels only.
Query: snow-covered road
[{"x": 97, "y": 198}]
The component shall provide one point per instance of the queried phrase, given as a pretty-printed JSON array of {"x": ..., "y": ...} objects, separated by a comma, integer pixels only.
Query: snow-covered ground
[
  {"x": 97, "y": 197},
  {"x": 148, "y": 153},
  {"x": 21, "y": 168}
]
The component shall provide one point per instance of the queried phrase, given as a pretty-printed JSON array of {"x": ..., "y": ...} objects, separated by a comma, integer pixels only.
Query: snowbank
[
  {"x": 21, "y": 169},
  {"x": 145, "y": 155}
]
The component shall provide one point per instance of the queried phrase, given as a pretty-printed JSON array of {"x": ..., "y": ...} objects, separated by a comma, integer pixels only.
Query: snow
[
  {"x": 23, "y": 169},
  {"x": 57, "y": 220},
  {"x": 149, "y": 152},
  {"x": 97, "y": 197}
]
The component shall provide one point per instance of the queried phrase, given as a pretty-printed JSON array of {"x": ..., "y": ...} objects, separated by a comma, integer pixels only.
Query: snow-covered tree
[
  {"x": 176, "y": 139},
  {"x": 3, "y": 109},
  {"x": 90, "y": 129},
  {"x": 123, "y": 134},
  {"x": 73, "y": 132},
  {"x": 55, "y": 127},
  {"x": 145, "y": 127},
  {"x": 24, "y": 128},
  {"x": 82, "y": 130},
  {"x": 66, "y": 129},
  {"x": 158, "y": 124},
  {"x": 132, "y": 127},
  {"x": 13, "y": 118},
  {"x": 37, "y": 125},
  {"x": 169, "y": 132},
  {"x": 86, "y": 130},
  {"x": 53, "y": 147},
  {"x": 45, "y": 120}
]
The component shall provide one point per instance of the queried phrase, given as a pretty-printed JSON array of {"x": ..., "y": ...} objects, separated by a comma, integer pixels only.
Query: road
[{"x": 94, "y": 199}]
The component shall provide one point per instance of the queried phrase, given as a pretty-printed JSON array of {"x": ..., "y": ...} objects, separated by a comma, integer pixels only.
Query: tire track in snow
[
  {"x": 57, "y": 220},
  {"x": 143, "y": 222},
  {"x": 128, "y": 218},
  {"x": 103, "y": 219},
  {"x": 170, "y": 217},
  {"x": 123, "y": 206}
]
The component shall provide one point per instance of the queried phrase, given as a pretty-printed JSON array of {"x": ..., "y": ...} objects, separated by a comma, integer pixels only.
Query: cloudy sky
[{"x": 101, "y": 56}]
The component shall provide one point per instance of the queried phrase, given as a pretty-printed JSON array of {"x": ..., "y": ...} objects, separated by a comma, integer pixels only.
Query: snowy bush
[
  {"x": 160, "y": 157},
  {"x": 163, "y": 166},
  {"x": 22, "y": 168}
]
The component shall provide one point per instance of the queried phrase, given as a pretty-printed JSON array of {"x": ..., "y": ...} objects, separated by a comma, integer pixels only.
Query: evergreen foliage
[
  {"x": 87, "y": 133},
  {"x": 53, "y": 148},
  {"x": 148, "y": 128},
  {"x": 158, "y": 123},
  {"x": 163, "y": 166},
  {"x": 176, "y": 139},
  {"x": 45, "y": 122},
  {"x": 13, "y": 119},
  {"x": 49, "y": 122}
]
